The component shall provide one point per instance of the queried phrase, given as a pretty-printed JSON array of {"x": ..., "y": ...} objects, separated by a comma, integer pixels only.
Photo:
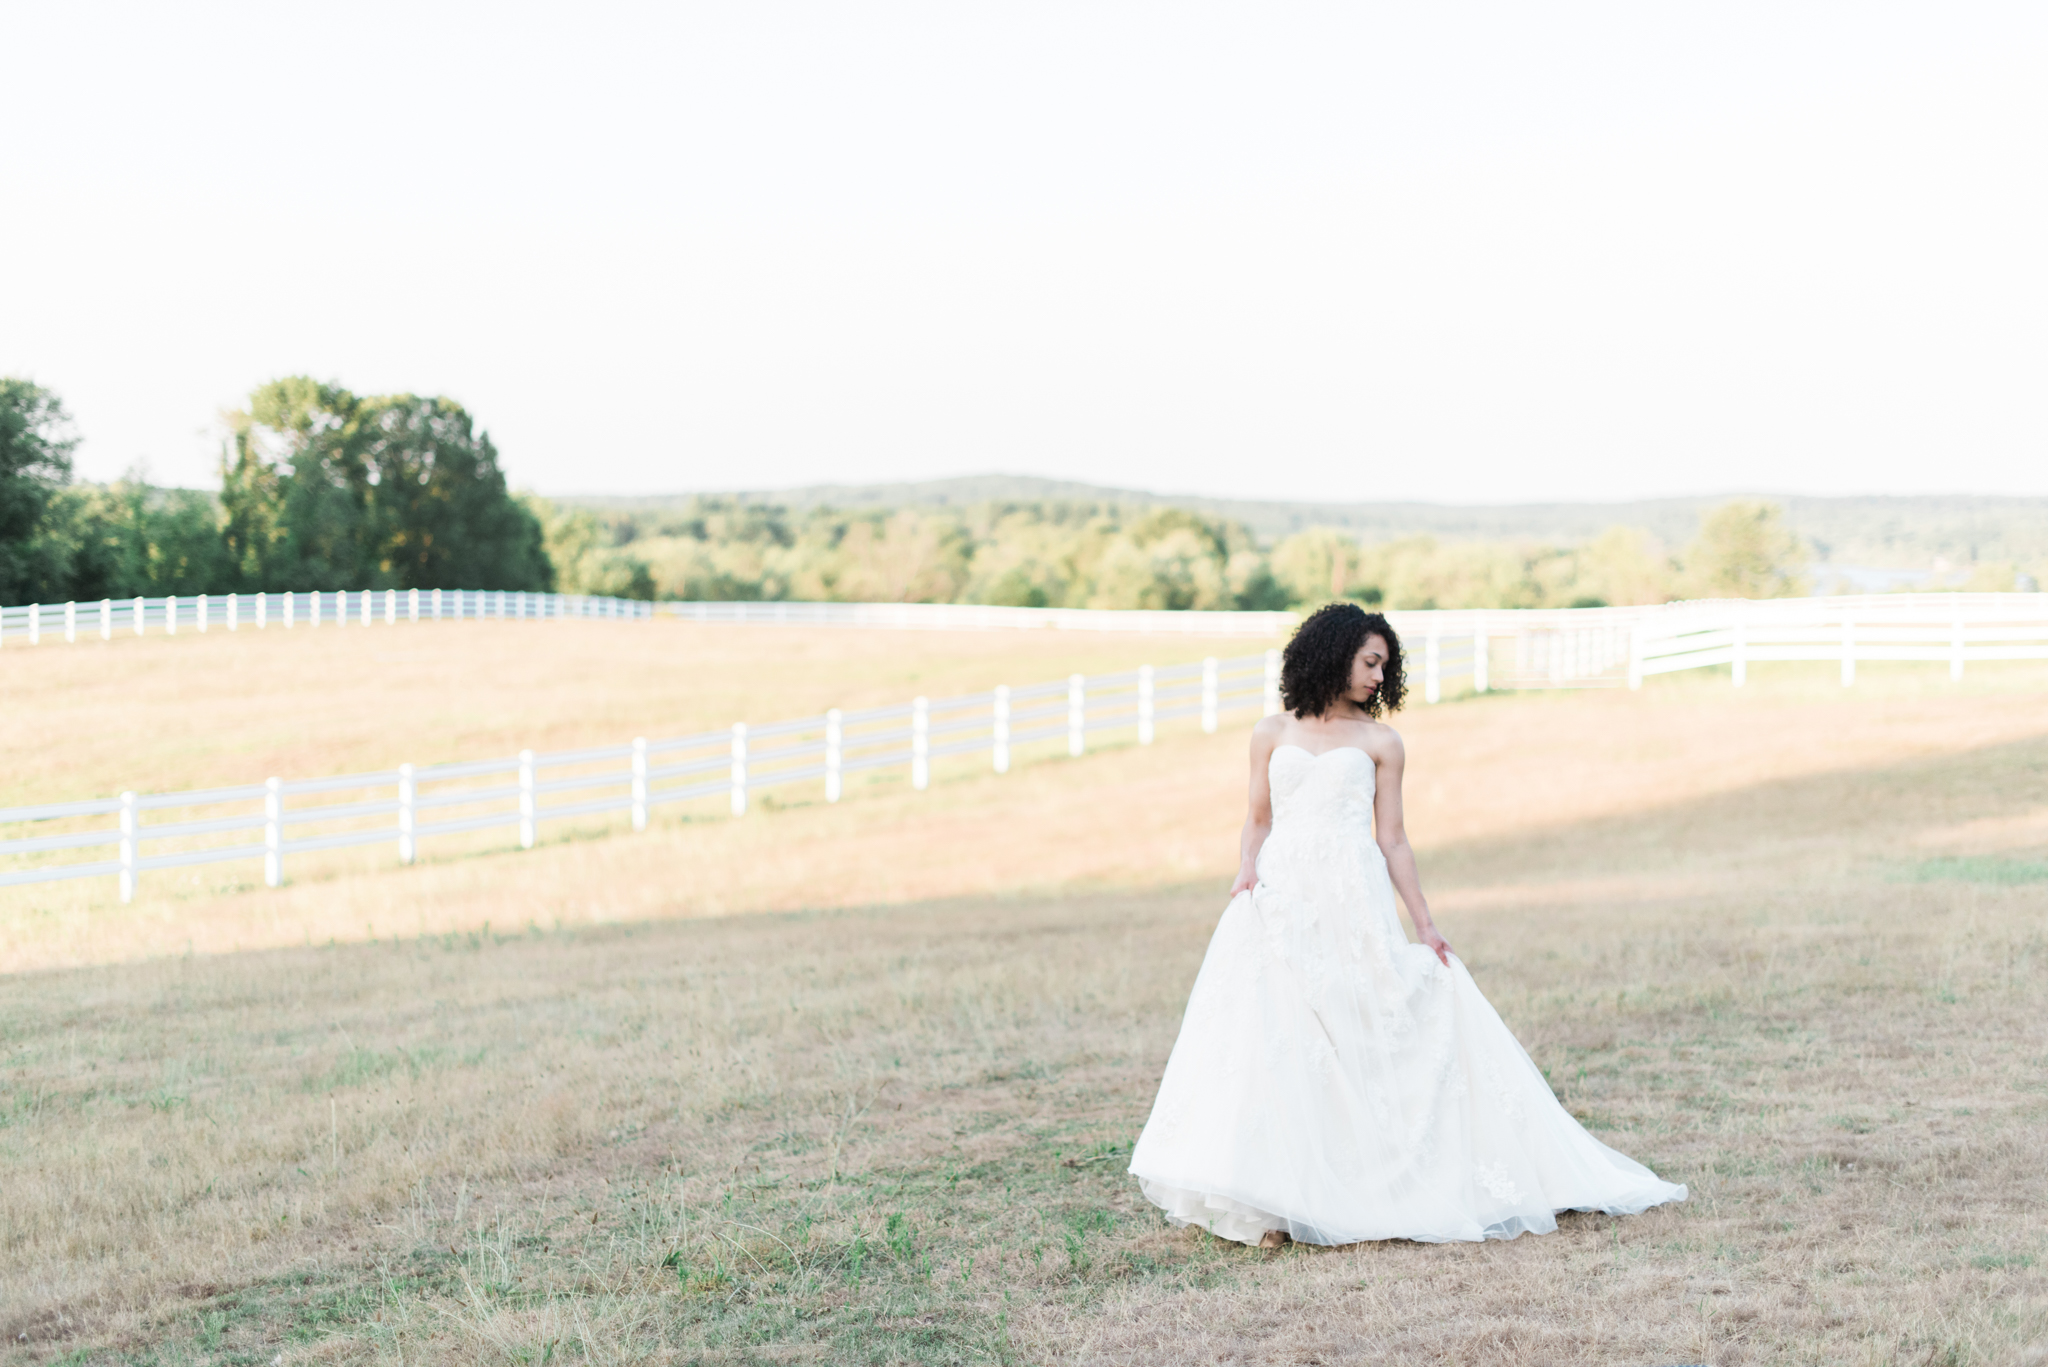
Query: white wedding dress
[{"x": 1335, "y": 1081}]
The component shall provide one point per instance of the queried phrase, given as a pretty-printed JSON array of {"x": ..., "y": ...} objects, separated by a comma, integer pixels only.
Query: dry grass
[
  {"x": 1481, "y": 770},
  {"x": 1787, "y": 946},
  {"x": 162, "y": 714}
]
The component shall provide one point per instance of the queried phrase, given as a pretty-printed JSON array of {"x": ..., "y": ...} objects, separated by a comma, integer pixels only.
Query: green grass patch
[
  {"x": 1979, "y": 869},
  {"x": 891, "y": 1265}
]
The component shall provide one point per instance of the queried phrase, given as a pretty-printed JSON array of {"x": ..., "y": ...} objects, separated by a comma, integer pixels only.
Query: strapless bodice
[{"x": 1334, "y": 788}]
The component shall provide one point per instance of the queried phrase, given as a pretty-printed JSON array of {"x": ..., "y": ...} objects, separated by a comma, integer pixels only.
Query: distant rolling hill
[{"x": 1906, "y": 533}]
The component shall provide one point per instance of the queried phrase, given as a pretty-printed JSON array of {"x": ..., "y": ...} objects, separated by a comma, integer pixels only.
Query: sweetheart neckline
[{"x": 1318, "y": 754}]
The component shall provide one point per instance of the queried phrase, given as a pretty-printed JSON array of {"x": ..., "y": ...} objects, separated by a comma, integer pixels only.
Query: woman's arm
[
  {"x": 1258, "y": 817},
  {"x": 1392, "y": 834}
]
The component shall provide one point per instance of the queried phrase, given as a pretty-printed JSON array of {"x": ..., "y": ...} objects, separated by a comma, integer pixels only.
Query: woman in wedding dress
[{"x": 1332, "y": 1082}]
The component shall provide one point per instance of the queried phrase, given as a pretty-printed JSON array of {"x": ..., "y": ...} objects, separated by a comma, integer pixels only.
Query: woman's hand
[
  {"x": 1247, "y": 878},
  {"x": 1434, "y": 941}
]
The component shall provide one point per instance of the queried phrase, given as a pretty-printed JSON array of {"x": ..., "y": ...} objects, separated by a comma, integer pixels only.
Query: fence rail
[
  {"x": 111, "y": 617},
  {"x": 402, "y": 807}
]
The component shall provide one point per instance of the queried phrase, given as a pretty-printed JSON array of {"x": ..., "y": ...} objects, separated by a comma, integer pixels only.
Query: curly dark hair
[{"x": 1315, "y": 669}]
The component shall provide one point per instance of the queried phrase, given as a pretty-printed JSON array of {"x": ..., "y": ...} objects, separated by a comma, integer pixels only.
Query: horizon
[{"x": 1170, "y": 496}]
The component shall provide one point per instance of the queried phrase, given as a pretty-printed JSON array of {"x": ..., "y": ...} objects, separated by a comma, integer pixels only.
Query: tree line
[
  {"x": 322, "y": 488},
  {"x": 1104, "y": 555}
]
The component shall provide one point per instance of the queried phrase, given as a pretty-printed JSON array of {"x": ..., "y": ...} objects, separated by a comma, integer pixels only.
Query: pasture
[{"x": 857, "y": 1083}]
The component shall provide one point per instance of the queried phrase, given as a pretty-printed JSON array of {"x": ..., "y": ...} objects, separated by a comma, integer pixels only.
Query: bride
[{"x": 1332, "y": 1082}]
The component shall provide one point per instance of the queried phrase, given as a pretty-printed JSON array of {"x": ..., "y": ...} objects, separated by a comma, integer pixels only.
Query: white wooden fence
[
  {"x": 1947, "y": 628},
  {"x": 1610, "y": 647},
  {"x": 403, "y": 806},
  {"x": 112, "y": 617},
  {"x": 1544, "y": 648},
  {"x": 274, "y": 821}
]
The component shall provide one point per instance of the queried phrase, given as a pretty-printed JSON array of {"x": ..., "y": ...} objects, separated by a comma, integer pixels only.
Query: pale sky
[{"x": 1459, "y": 252}]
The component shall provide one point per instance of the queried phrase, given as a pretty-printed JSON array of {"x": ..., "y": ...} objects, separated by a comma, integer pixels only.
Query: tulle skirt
[{"x": 1335, "y": 1082}]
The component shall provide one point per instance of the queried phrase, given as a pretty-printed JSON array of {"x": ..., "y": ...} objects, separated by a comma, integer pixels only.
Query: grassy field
[
  {"x": 1787, "y": 945},
  {"x": 194, "y": 711}
]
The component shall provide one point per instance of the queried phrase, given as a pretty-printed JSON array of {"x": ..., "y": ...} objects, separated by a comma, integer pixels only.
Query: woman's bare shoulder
[{"x": 1382, "y": 741}]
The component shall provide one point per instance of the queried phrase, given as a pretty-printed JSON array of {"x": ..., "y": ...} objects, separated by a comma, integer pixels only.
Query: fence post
[
  {"x": 171, "y": 615},
  {"x": 1144, "y": 704},
  {"x": 1635, "y": 655},
  {"x": 141, "y": 614},
  {"x": 390, "y": 607},
  {"x": 1955, "y": 651},
  {"x": 412, "y": 605},
  {"x": 739, "y": 768},
  {"x": 834, "y": 738},
  {"x": 35, "y": 624},
  {"x": 437, "y": 605},
  {"x": 70, "y": 623},
  {"x": 920, "y": 743},
  {"x": 263, "y": 612},
  {"x": 1432, "y": 667},
  {"x": 1848, "y": 650},
  {"x": 526, "y": 799},
  {"x": 200, "y": 610},
  {"x": 639, "y": 783},
  {"x": 1741, "y": 670},
  {"x": 1001, "y": 733},
  {"x": 273, "y": 832},
  {"x": 366, "y": 607},
  {"x": 128, "y": 844},
  {"x": 234, "y": 612},
  {"x": 1480, "y": 681},
  {"x": 290, "y": 599},
  {"x": 1077, "y": 714},
  {"x": 408, "y": 799},
  {"x": 1272, "y": 682},
  {"x": 1209, "y": 695},
  {"x": 106, "y": 619}
]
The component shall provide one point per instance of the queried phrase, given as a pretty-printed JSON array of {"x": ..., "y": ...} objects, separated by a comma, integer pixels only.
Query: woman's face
[{"x": 1368, "y": 669}]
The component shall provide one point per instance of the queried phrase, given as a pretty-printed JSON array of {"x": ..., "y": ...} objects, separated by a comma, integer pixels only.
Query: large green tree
[
  {"x": 130, "y": 537},
  {"x": 1746, "y": 550},
  {"x": 323, "y": 488},
  {"x": 36, "y": 441}
]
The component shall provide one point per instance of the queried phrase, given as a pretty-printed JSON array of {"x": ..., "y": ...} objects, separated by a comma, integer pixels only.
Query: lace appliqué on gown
[{"x": 1336, "y": 1082}]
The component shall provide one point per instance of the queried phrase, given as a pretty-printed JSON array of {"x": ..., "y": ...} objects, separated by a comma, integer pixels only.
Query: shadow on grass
[{"x": 1877, "y": 809}]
